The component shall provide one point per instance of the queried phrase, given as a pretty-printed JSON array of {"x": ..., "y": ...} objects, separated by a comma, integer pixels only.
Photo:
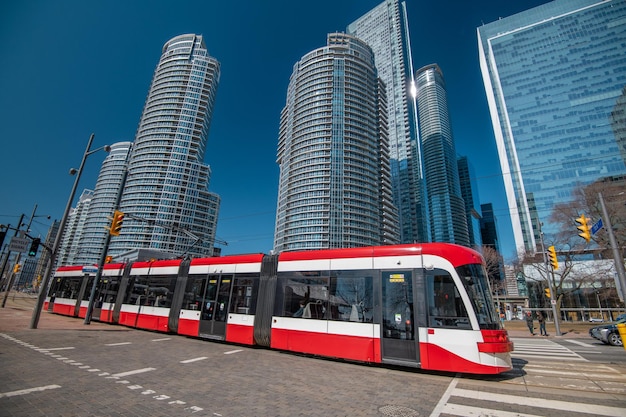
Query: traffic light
[
  {"x": 585, "y": 233},
  {"x": 552, "y": 256},
  {"x": 547, "y": 291},
  {"x": 16, "y": 268},
  {"x": 108, "y": 259},
  {"x": 116, "y": 223},
  {"x": 3, "y": 233},
  {"x": 34, "y": 247}
]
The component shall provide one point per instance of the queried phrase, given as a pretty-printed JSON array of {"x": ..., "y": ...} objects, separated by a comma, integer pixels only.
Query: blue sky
[{"x": 72, "y": 68}]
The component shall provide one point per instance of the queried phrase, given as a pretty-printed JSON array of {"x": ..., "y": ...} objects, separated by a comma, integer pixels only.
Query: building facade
[
  {"x": 334, "y": 187},
  {"x": 448, "y": 221},
  {"x": 553, "y": 75},
  {"x": 469, "y": 194},
  {"x": 103, "y": 204},
  {"x": 385, "y": 29},
  {"x": 166, "y": 197},
  {"x": 70, "y": 248}
]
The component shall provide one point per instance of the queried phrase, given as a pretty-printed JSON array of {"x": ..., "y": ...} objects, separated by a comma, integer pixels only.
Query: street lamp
[{"x": 57, "y": 240}]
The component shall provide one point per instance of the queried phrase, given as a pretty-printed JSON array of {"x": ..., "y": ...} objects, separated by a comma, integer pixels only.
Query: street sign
[
  {"x": 19, "y": 244},
  {"x": 553, "y": 302},
  {"x": 596, "y": 226},
  {"x": 89, "y": 269}
]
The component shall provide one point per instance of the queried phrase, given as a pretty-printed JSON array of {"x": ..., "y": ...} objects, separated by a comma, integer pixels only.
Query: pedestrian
[
  {"x": 542, "y": 323},
  {"x": 529, "y": 322}
]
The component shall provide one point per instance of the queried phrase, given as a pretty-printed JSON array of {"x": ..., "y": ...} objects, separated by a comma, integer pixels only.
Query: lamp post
[
  {"x": 57, "y": 240},
  {"x": 107, "y": 241}
]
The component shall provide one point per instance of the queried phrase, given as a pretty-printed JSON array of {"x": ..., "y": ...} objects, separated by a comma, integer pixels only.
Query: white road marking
[
  {"x": 587, "y": 345},
  {"x": 466, "y": 410},
  {"x": 233, "y": 351},
  {"x": 118, "y": 344},
  {"x": 594, "y": 409},
  {"x": 161, "y": 340},
  {"x": 201, "y": 358},
  {"x": 27, "y": 391},
  {"x": 136, "y": 371},
  {"x": 59, "y": 348},
  {"x": 444, "y": 398}
]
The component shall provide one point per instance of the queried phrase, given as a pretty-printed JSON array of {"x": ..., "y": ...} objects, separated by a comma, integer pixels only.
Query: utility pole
[
  {"x": 557, "y": 325},
  {"x": 617, "y": 255}
]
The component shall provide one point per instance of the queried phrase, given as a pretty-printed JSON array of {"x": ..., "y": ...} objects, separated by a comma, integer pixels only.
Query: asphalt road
[{"x": 66, "y": 368}]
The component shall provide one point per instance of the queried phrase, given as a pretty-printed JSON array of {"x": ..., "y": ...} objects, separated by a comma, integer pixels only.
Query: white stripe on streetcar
[
  {"x": 118, "y": 344},
  {"x": 595, "y": 409},
  {"x": 136, "y": 371},
  {"x": 27, "y": 391},
  {"x": 201, "y": 358},
  {"x": 233, "y": 351}
]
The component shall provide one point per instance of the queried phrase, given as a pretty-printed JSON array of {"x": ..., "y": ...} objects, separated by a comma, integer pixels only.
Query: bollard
[{"x": 621, "y": 328}]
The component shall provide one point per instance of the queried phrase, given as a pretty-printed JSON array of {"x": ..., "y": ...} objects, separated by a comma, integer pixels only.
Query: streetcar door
[
  {"x": 399, "y": 333},
  {"x": 215, "y": 307}
]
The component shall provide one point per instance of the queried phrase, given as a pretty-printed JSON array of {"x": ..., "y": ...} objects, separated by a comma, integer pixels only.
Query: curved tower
[
  {"x": 167, "y": 183},
  {"x": 102, "y": 204},
  {"x": 446, "y": 207},
  {"x": 334, "y": 189}
]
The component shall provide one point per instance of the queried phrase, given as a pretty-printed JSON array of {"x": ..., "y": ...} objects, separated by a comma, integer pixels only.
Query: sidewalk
[
  {"x": 18, "y": 312},
  {"x": 19, "y": 307}
]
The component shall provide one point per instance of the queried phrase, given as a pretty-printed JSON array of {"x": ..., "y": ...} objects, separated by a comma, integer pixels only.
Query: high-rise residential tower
[
  {"x": 334, "y": 189},
  {"x": 448, "y": 222},
  {"x": 94, "y": 232},
  {"x": 385, "y": 29},
  {"x": 553, "y": 75},
  {"x": 70, "y": 247},
  {"x": 167, "y": 183}
]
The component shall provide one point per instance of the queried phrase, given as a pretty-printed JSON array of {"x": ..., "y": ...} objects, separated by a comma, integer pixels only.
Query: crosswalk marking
[{"x": 545, "y": 349}]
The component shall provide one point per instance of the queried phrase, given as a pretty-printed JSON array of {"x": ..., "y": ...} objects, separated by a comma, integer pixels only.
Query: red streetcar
[{"x": 418, "y": 305}]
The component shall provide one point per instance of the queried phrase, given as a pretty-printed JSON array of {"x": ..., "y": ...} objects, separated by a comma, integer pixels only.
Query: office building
[
  {"x": 553, "y": 75},
  {"x": 334, "y": 187},
  {"x": 469, "y": 194},
  {"x": 385, "y": 29},
  {"x": 166, "y": 199},
  {"x": 102, "y": 206},
  {"x": 448, "y": 222}
]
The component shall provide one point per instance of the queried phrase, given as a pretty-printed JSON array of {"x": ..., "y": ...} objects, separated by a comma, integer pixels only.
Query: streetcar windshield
[{"x": 475, "y": 282}]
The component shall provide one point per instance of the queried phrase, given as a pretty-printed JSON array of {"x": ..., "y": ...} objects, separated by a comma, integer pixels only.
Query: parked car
[{"x": 608, "y": 333}]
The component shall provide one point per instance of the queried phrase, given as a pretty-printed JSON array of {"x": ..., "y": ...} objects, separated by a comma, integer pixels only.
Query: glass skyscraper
[
  {"x": 334, "y": 189},
  {"x": 167, "y": 183},
  {"x": 385, "y": 29},
  {"x": 553, "y": 75},
  {"x": 448, "y": 221}
]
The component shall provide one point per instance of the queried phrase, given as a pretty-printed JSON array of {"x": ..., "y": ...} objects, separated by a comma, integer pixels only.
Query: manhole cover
[{"x": 398, "y": 411}]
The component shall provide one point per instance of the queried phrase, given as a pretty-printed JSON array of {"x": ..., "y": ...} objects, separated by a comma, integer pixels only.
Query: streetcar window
[
  {"x": 477, "y": 286},
  {"x": 351, "y": 296},
  {"x": 445, "y": 306},
  {"x": 304, "y": 294},
  {"x": 152, "y": 290},
  {"x": 194, "y": 291},
  {"x": 69, "y": 288},
  {"x": 339, "y": 296},
  {"x": 244, "y": 294}
]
